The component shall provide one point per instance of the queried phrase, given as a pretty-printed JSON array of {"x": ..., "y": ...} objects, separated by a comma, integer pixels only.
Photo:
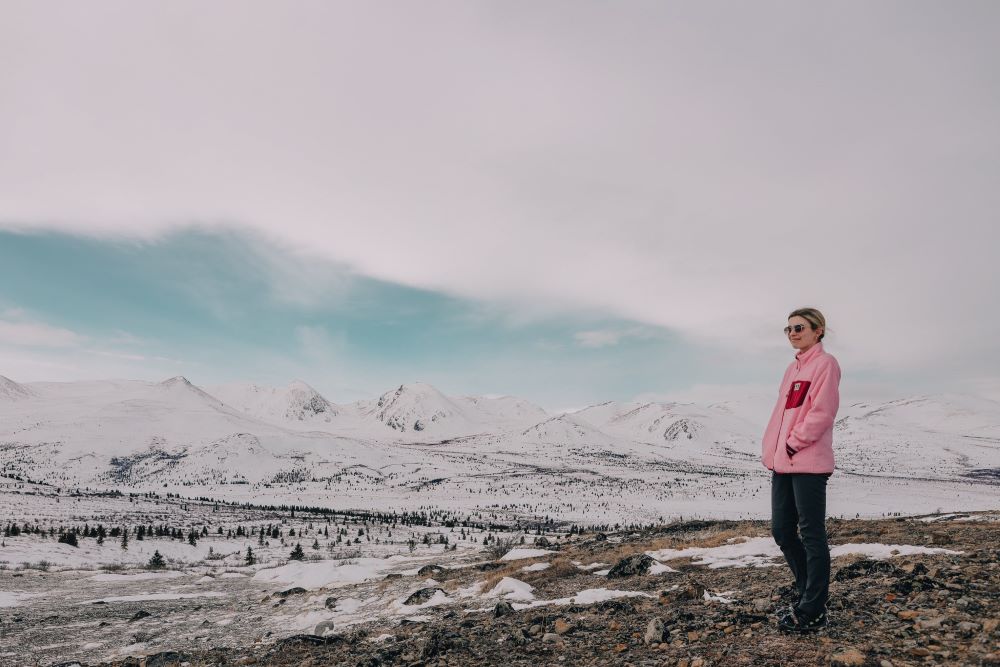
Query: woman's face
[{"x": 807, "y": 337}]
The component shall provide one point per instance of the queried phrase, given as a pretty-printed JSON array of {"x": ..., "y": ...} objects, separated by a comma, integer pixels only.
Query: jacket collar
[{"x": 804, "y": 357}]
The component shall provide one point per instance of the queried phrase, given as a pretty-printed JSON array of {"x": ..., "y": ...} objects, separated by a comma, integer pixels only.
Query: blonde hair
[{"x": 813, "y": 317}]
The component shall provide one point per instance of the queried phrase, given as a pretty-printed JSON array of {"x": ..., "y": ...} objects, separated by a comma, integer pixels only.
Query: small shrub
[{"x": 499, "y": 547}]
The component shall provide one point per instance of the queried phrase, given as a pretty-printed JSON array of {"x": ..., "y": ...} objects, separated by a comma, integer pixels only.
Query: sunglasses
[{"x": 797, "y": 328}]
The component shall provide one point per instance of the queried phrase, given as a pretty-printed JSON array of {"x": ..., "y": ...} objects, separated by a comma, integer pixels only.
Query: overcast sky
[{"x": 674, "y": 177}]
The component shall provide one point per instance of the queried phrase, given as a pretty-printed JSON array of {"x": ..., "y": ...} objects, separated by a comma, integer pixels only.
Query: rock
[
  {"x": 551, "y": 637},
  {"x": 393, "y": 575},
  {"x": 562, "y": 626},
  {"x": 990, "y": 625},
  {"x": 865, "y": 568},
  {"x": 297, "y": 590},
  {"x": 535, "y": 630},
  {"x": 940, "y": 538},
  {"x": 967, "y": 628},
  {"x": 908, "y": 614},
  {"x": 656, "y": 632},
  {"x": 330, "y": 603},
  {"x": 324, "y": 628},
  {"x": 761, "y": 605},
  {"x": 437, "y": 643},
  {"x": 502, "y": 608},
  {"x": 698, "y": 662},
  {"x": 166, "y": 659},
  {"x": 430, "y": 569},
  {"x": 139, "y": 615},
  {"x": 631, "y": 566},
  {"x": 884, "y": 663},
  {"x": 990, "y": 660},
  {"x": 517, "y": 636},
  {"x": 423, "y": 595},
  {"x": 849, "y": 657},
  {"x": 925, "y": 624},
  {"x": 920, "y": 651}
]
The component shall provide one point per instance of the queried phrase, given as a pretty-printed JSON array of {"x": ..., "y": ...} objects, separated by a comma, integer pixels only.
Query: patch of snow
[
  {"x": 720, "y": 597},
  {"x": 520, "y": 554},
  {"x": 349, "y": 605},
  {"x": 155, "y": 596},
  {"x": 882, "y": 551},
  {"x": 751, "y": 552},
  {"x": 592, "y": 566},
  {"x": 602, "y": 573},
  {"x": 14, "y": 598},
  {"x": 141, "y": 576},
  {"x": 536, "y": 567},
  {"x": 323, "y": 574},
  {"x": 660, "y": 568},
  {"x": 512, "y": 589},
  {"x": 587, "y": 596}
]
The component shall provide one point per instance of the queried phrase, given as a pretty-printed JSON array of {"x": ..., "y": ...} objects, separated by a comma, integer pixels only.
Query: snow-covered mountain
[
  {"x": 298, "y": 402},
  {"x": 505, "y": 409},
  {"x": 419, "y": 408},
  {"x": 415, "y": 445},
  {"x": 12, "y": 391},
  {"x": 129, "y": 432}
]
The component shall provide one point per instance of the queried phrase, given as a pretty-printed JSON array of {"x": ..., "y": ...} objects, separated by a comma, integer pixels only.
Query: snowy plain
[{"x": 376, "y": 490}]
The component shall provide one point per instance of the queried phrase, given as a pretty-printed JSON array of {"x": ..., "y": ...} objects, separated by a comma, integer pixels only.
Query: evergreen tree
[
  {"x": 250, "y": 558},
  {"x": 193, "y": 538},
  {"x": 297, "y": 553},
  {"x": 125, "y": 539},
  {"x": 316, "y": 544},
  {"x": 157, "y": 562}
]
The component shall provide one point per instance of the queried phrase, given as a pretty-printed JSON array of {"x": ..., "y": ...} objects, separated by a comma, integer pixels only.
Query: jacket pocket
[{"x": 797, "y": 394}]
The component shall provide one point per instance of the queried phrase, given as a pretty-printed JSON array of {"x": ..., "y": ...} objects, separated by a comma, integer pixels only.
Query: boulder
[
  {"x": 423, "y": 595},
  {"x": 656, "y": 632},
  {"x": 631, "y": 566}
]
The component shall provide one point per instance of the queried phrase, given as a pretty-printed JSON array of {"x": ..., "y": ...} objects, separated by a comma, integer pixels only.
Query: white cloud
[
  {"x": 608, "y": 337},
  {"x": 660, "y": 163},
  {"x": 37, "y": 334}
]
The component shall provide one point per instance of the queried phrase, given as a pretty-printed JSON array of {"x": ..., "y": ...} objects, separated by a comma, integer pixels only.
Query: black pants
[{"x": 798, "y": 523}]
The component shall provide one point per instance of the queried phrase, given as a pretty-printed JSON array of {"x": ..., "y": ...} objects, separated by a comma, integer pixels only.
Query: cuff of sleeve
[{"x": 795, "y": 444}]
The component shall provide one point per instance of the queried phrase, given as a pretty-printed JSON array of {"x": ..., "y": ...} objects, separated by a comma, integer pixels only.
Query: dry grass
[
  {"x": 614, "y": 554},
  {"x": 559, "y": 568},
  {"x": 707, "y": 538}
]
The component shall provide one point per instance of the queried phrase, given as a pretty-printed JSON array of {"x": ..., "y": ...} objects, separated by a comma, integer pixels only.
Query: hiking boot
[{"x": 793, "y": 621}]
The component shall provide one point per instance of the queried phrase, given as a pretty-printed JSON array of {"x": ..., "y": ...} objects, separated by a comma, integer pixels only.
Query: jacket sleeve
[{"x": 822, "y": 410}]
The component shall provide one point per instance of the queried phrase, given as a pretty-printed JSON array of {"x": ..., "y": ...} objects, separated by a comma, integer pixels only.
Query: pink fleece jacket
[{"x": 804, "y": 414}]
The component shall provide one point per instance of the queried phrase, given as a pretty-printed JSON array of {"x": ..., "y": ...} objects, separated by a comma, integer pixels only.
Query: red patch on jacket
[{"x": 797, "y": 394}]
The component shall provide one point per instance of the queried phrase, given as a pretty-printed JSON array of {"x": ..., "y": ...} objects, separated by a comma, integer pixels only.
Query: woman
[{"x": 798, "y": 449}]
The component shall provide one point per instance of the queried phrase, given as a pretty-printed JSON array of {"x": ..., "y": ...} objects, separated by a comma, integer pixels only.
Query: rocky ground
[{"x": 940, "y": 609}]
